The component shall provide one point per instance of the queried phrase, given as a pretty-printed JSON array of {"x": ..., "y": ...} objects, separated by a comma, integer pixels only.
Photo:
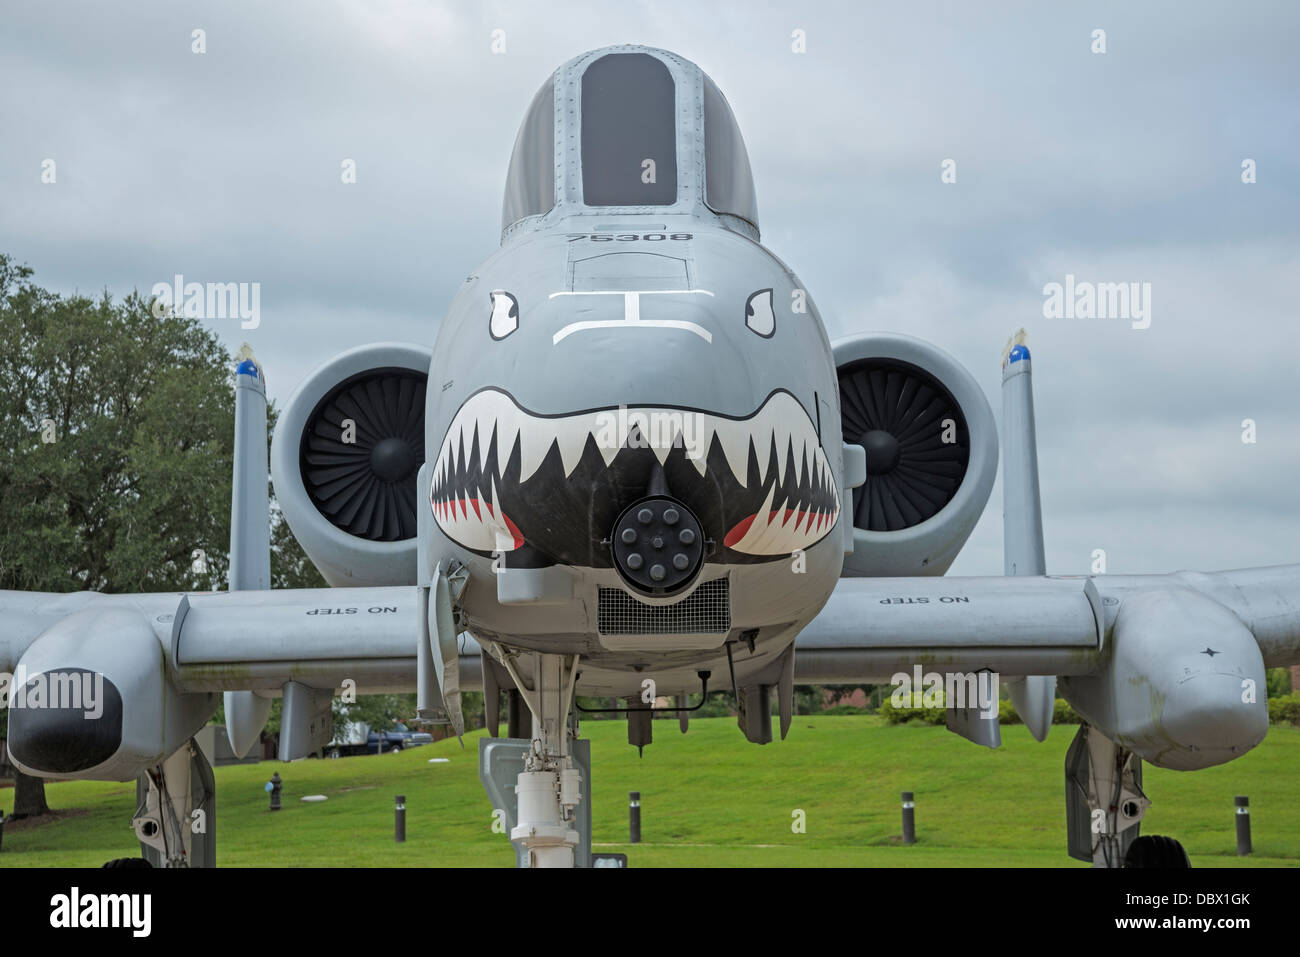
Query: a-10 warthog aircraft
[{"x": 634, "y": 466}]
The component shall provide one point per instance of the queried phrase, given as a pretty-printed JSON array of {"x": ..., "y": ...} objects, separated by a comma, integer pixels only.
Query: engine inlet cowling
[
  {"x": 346, "y": 460},
  {"x": 361, "y": 449},
  {"x": 931, "y": 453},
  {"x": 917, "y": 442}
]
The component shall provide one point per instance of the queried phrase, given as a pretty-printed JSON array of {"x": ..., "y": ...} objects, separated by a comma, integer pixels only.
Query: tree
[
  {"x": 116, "y": 439},
  {"x": 116, "y": 446}
]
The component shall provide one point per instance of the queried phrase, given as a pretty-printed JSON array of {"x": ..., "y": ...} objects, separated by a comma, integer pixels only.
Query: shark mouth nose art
[{"x": 547, "y": 488}]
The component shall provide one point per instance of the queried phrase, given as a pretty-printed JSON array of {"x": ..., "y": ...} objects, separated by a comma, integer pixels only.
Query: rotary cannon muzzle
[{"x": 658, "y": 545}]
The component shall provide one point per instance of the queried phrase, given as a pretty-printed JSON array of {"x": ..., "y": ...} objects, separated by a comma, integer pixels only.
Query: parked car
[{"x": 359, "y": 738}]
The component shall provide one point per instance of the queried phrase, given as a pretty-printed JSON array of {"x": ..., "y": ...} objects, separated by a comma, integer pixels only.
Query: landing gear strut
[
  {"x": 175, "y": 820},
  {"x": 549, "y": 788},
  {"x": 1105, "y": 806}
]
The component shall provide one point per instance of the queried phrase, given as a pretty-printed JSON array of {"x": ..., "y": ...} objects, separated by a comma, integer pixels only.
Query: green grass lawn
[{"x": 708, "y": 798}]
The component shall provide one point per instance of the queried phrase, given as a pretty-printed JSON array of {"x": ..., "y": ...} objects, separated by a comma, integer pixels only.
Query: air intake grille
[
  {"x": 706, "y": 611},
  {"x": 362, "y": 478},
  {"x": 901, "y": 415}
]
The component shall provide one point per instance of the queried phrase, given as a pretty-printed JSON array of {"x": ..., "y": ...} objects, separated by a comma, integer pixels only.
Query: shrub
[
  {"x": 845, "y": 709},
  {"x": 1284, "y": 709},
  {"x": 893, "y": 715},
  {"x": 1064, "y": 714}
]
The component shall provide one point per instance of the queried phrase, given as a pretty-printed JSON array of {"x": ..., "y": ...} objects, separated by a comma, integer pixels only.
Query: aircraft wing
[
  {"x": 869, "y": 629},
  {"x": 246, "y": 640},
  {"x": 134, "y": 676},
  {"x": 872, "y": 628}
]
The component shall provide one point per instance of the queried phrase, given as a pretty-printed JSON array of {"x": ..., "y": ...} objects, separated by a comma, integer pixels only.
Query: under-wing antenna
[
  {"x": 1034, "y": 697},
  {"x": 250, "y": 530}
]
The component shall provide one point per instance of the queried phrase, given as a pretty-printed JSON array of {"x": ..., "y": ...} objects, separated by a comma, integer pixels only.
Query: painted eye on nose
[
  {"x": 758, "y": 313},
  {"x": 505, "y": 314}
]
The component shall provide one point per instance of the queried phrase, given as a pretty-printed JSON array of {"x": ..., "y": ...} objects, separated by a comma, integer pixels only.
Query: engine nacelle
[
  {"x": 931, "y": 447},
  {"x": 1184, "y": 684},
  {"x": 90, "y": 699},
  {"x": 345, "y": 458}
]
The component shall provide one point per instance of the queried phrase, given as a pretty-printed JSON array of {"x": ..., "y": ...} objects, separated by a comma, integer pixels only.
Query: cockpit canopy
[{"x": 625, "y": 136}]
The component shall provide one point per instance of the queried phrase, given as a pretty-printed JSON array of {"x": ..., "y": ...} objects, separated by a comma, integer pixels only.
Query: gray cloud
[{"x": 1122, "y": 167}]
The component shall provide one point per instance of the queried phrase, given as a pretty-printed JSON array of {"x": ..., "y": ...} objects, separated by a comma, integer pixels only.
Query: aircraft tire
[{"x": 1156, "y": 851}]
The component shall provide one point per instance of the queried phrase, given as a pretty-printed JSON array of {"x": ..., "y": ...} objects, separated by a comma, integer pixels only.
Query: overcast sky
[{"x": 1117, "y": 167}]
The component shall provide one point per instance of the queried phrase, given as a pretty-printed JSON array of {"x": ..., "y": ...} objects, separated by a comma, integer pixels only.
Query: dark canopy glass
[{"x": 628, "y": 117}]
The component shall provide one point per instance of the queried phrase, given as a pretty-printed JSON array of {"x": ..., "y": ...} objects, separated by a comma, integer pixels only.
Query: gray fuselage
[{"x": 735, "y": 386}]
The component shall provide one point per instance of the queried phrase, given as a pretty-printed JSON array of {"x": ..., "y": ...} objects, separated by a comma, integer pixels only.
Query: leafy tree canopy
[{"x": 116, "y": 448}]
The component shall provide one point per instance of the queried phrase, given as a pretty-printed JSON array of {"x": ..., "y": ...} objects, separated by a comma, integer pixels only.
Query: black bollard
[
  {"x": 274, "y": 786},
  {"x": 1243, "y": 824},
  {"x": 634, "y": 817},
  {"x": 400, "y": 813},
  {"x": 909, "y": 818},
  {"x": 2, "y": 830}
]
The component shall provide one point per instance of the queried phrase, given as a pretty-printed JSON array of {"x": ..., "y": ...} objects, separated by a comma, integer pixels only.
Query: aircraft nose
[
  {"x": 1216, "y": 713},
  {"x": 1190, "y": 678},
  {"x": 61, "y": 735},
  {"x": 672, "y": 346}
]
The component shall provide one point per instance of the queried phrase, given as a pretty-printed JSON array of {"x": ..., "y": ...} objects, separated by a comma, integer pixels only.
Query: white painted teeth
[
  {"x": 780, "y": 527},
  {"x": 780, "y": 423},
  {"x": 779, "y": 433},
  {"x": 735, "y": 446}
]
